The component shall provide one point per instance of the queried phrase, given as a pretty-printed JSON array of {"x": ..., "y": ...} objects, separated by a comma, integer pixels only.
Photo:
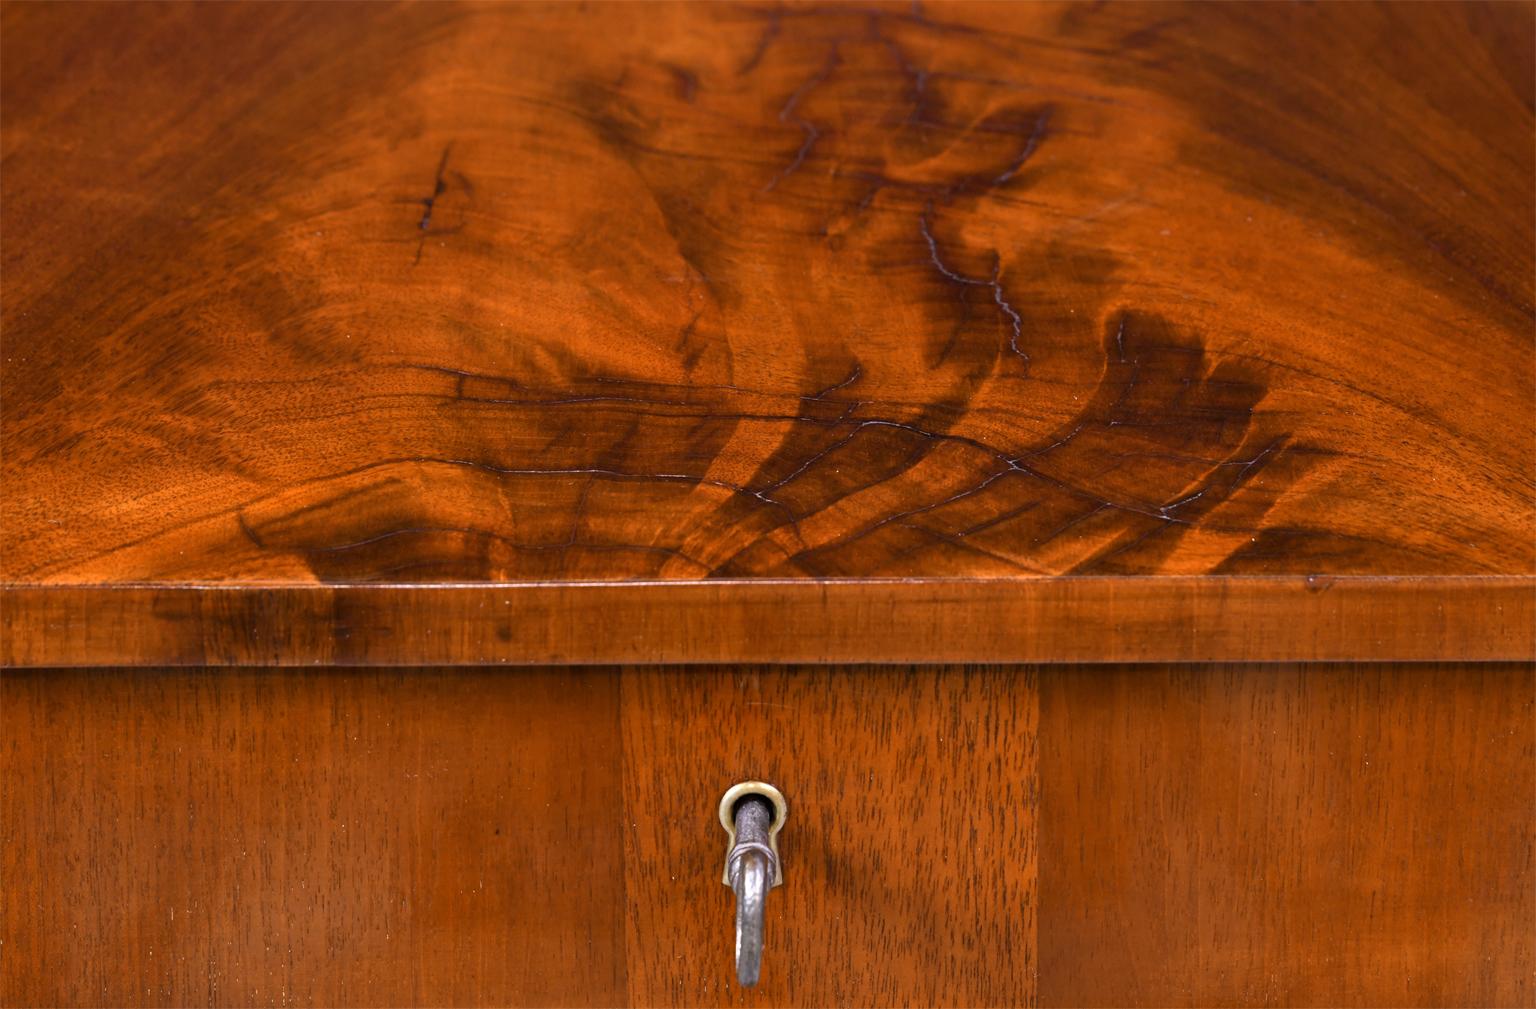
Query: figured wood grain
[
  {"x": 318, "y": 838},
  {"x": 1288, "y": 836},
  {"x": 1079, "y": 619},
  {"x": 909, "y": 849},
  {"x": 445, "y": 294}
]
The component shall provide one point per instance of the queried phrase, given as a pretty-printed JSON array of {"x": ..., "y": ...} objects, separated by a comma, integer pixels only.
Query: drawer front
[
  {"x": 329, "y": 837},
  {"x": 1341, "y": 835},
  {"x": 909, "y": 849}
]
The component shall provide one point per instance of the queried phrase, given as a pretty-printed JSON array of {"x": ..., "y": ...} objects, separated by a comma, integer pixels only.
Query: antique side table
[{"x": 1067, "y": 469}]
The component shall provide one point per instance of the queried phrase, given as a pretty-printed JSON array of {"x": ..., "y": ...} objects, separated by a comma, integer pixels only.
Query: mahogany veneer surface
[
  {"x": 1288, "y": 835},
  {"x": 1327, "y": 835},
  {"x": 322, "y": 295},
  {"x": 446, "y": 335}
]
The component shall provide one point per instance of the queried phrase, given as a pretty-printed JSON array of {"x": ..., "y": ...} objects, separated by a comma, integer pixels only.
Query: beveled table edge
[{"x": 1030, "y": 620}]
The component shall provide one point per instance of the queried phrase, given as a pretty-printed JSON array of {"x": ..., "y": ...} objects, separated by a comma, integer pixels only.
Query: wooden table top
[{"x": 962, "y": 331}]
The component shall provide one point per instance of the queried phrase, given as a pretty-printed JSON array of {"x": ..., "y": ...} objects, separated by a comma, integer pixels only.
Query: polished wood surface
[
  {"x": 442, "y": 294},
  {"x": 1080, "y": 619},
  {"x": 1333, "y": 835},
  {"x": 909, "y": 849},
  {"x": 596, "y": 336},
  {"x": 529, "y": 837},
  {"x": 325, "y": 838},
  {"x": 1288, "y": 836}
]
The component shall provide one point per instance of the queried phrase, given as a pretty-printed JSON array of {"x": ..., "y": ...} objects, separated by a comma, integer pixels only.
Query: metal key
[{"x": 752, "y": 813}]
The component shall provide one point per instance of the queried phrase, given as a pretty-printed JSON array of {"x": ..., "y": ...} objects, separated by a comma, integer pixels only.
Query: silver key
[{"x": 752, "y": 813}]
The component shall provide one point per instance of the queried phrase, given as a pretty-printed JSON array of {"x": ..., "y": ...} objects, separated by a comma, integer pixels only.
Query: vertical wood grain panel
[
  {"x": 1251, "y": 835},
  {"x": 909, "y": 849},
  {"x": 311, "y": 838},
  {"x": 1288, "y": 835}
]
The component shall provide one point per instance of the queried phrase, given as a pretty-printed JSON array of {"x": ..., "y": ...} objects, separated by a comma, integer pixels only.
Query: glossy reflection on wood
[{"x": 495, "y": 292}]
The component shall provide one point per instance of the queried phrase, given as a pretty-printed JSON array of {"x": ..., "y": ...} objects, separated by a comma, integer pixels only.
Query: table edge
[{"x": 1066, "y": 619}]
